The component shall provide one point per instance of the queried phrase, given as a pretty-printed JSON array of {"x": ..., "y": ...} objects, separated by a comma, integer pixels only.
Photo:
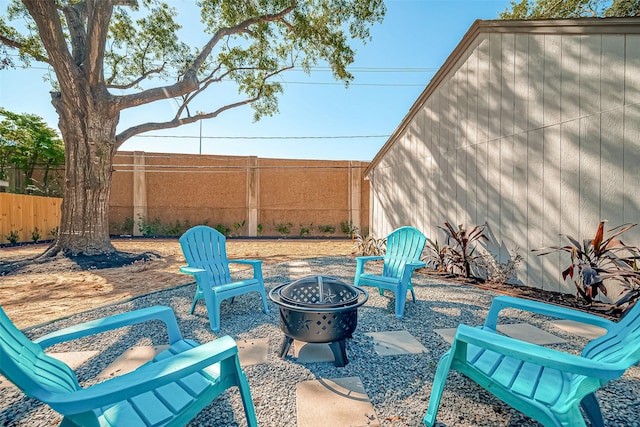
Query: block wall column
[
  {"x": 355, "y": 190},
  {"x": 139, "y": 190},
  {"x": 253, "y": 195}
]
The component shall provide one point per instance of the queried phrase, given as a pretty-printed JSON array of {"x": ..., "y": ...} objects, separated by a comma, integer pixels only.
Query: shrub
[
  {"x": 327, "y": 228},
  {"x": 284, "y": 229},
  {"x": 35, "y": 235},
  {"x": 237, "y": 226},
  {"x": 13, "y": 236},
  {"x": 348, "y": 228},
  {"x": 304, "y": 230},
  {"x": 462, "y": 256},
  {"x": 436, "y": 255},
  {"x": 369, "y": 245},
  {"x": 595, "y": 260},
  {"x": 223, "y": 229},
  {"x": 501, "y": 272},
  {"x": 149, "y": 229}
]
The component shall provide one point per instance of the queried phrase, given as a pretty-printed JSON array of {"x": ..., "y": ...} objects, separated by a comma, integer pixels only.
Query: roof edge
[{"x": 627, "y": 25}]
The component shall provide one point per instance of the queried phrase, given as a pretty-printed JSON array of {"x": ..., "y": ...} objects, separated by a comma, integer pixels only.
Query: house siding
[{"x": 533, "y": 133}]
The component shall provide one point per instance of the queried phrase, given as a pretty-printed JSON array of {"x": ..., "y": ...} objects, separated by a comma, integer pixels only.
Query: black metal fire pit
[{"x": 319, "y": 309}]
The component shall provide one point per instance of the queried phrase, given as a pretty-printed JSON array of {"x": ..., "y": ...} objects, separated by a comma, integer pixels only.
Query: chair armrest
[
  {"x": 191, "y": 270},
  {"x": 361, "y": 260},
  {"x": 369, "y": 258},
  {"x": 162, "y": 313},
  {"x": 552, "y": 310},
  {"x": 410, "y": 266},
  {"x": 146, "y": 378},
  {"x": 532, "y": 353},
  {"x": 245, "y": 261},
  {"x": 256, "y": 264}
]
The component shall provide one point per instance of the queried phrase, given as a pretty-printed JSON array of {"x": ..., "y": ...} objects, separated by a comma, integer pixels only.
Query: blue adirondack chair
[
  {"x": 545, "y": 384},
  {"x": 204, "y": 248},
  {"x": 404, "y": 248},
  {"x": 168, "y": 391}
]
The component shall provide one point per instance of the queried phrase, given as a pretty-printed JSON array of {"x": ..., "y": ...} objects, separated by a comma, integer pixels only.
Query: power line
[{"x": 263, "y": 137}]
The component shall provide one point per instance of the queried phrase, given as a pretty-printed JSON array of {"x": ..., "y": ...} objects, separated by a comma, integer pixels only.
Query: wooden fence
[{"x": 28, "y": 216}]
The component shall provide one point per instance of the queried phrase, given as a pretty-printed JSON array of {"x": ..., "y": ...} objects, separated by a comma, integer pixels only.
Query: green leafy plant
[
  {"x": 149, "y": 229},
  {"x": 175, "y": 229},
  {"x": 54, "y": 232},
  {"x": 284, "y": 229},
  {"x": 237, "y": 226},
  {"x": 327, "y": 228},
  {"x": 260, "y": 229},
  {"x": 369, "y": 245},
  {"x": 127, "y": 226},
  {"x": 348, "y": 228},
  {"x": 13, "y": 236},
  {"x": 305, "y": 230},
  {"x": 461, "y": 254},
  {"x": 436, "y": 255},
  {"x": 223, "y": 229},
  {"x": 595, "y": 260},
  {"x": 35, "y": 235}
]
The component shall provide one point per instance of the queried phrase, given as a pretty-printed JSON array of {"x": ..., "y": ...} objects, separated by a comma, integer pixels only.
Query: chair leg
[
  {"x": 193, "y": 305},
  {"x": 591, "y": 407},
  {"x": 213, "y": 311},
  {"x": 265, "y": 307},
  {"x": 400, "y": 302},
  {"x": 245, "y": 394},
  {"x": 438, "y": 387}
]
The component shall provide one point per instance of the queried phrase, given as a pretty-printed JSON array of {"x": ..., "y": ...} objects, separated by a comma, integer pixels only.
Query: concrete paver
[
  {"x": 519, "y": 331},
  {"x": 581, "y": 329},
  {"x": 395, "y": 342},
  {"x": 334, "y": 402}
]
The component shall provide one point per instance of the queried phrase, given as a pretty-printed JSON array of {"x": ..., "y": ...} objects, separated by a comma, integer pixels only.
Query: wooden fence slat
[{"x": 23, "y": 213}]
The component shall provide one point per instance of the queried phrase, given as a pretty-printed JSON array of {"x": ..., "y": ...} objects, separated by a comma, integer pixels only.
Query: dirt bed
[{"x": 41, "y": 292}]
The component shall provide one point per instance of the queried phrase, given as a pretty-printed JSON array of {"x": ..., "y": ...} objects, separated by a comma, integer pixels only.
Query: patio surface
[{"x": 391, "y": 362}]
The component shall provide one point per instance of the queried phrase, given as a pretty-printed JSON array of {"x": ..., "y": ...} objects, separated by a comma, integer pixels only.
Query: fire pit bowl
[{"x": 318, "y": 309}]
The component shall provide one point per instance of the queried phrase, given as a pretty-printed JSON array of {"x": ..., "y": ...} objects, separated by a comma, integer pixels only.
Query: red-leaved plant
[
  {"x": 462, "y": 255},
  {"x": 598, "y": 259}
]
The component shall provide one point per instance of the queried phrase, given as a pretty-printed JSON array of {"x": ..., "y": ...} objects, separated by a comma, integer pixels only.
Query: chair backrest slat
[
  {"x": 621, "y": 344},
  {"x": 404, "y": 245},
  {"x": 26, "y": 365},
  {"x": 205, "y": 247}
]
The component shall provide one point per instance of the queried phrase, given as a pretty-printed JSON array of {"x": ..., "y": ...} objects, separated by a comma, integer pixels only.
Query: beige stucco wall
[
  {"x": 530, "y": 128},
  {"x": 226, "y": 189}
]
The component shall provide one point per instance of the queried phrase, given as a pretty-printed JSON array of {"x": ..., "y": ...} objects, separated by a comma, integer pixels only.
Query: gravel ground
[{"x": 397, "y": 386}]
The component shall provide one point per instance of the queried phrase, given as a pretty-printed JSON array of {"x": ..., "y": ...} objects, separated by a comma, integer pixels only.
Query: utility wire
[{"x": 262, "y": 137}]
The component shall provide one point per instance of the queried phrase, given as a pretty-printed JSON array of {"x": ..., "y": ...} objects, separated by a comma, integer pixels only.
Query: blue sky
[{"x": 390, "y": 72}]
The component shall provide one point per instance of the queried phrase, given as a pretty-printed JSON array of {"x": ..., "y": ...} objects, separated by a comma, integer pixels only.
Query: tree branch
[
  {"x": 177, "y": 121},
  {"x": 151, "y": 126},
  {"x": 76, "y": 16},
  {"x": 241, "y": 27},
  {"x": 136, "y": 81},
  {"x": 17, "y": 45},
  {"x": 98, "y": 17},
  {"x": 189, "y": 82},
  {"x": 46, "y": 16}
]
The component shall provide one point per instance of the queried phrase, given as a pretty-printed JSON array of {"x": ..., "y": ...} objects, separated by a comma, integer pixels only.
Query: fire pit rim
[
  {"x": 319, "y": 283},
  {"x": 275, "y": 296}
]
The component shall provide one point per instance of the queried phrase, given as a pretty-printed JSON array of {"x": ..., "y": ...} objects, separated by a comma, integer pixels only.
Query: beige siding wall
[{"x": 534, "y": 135}]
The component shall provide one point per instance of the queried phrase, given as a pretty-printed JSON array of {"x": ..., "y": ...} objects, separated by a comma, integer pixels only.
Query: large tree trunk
[{"x": 88, "y": 126}]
